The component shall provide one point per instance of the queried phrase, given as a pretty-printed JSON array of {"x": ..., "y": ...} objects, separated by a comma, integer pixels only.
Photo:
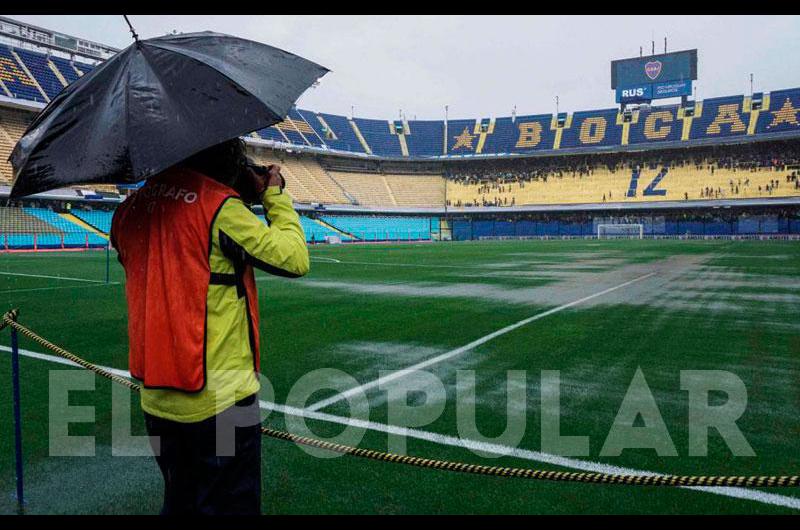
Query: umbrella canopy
[{"x": 154, "y": 104}]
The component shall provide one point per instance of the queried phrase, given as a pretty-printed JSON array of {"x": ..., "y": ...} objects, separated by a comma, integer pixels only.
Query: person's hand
[
  {"x": 257, "y": 180},
  {"x": 261, "y": 178},
  {"x": 274, "y": 177}
]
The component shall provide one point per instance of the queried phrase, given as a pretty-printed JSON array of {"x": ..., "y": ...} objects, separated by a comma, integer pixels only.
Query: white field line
[
  {"x": 467, "y": 347},
  {"x": 498, "y": 449},
  {"x": 415, "y": 265},
  {"x": 27, "y": 290},
  {"x": 60, "y": 360},
  {"x": 526, "y": 454},
  {"x": 432, "y": 265},
  {"x": 324, "y": 260},
  {"x": 51, "y": 277}
]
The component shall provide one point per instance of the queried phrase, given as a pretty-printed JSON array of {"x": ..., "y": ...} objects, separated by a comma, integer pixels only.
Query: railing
[
  {"x": 370, "y": 236},
  {"x": 37, "y": 241}
]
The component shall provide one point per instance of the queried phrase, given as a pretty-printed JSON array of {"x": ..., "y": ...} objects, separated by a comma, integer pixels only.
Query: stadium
[{"x": 640, "y": 238}]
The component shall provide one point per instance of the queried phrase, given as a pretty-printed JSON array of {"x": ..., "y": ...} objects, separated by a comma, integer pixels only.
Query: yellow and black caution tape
[{"x": 753, "y": 481}]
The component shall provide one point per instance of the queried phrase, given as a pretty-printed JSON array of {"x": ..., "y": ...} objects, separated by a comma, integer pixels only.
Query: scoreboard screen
[
  {"x": 675, "y": 66},
  {"x": 654, "y": 77}
]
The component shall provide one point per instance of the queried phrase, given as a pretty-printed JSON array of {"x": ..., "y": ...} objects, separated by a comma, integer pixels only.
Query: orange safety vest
[{"x": 163, "y": 235}]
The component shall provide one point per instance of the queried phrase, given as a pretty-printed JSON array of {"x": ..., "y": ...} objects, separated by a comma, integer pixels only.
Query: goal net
[{"x": 625, "y": 231}]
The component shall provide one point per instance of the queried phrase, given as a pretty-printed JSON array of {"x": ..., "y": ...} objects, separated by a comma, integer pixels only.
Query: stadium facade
[{"x": 722, "y": 167}]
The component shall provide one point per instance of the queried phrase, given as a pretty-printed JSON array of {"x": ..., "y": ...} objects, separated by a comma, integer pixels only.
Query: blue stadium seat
[
  {"x": 74, "y": 235},
  {"x": 382, "y": 228},
  {"x": 315, "y": 232},
  {"x": 379, "y": 137},
  {"x": 346, "y": 139},
  {"x": 597, "y": 128},
  {"x": 100, "y": 219},
  {"x": 721, "y": 117},
  {"x": 783, "y": 114},
  {"x": 426, "y": 138},
  {"x": 521, "y": 135},
  {"x": 310, "y": 134},
  {"x": 657, "y": 124},
  {"x": 65, "y": 68},
  {"x": 273, "y": 134},
  {"x": 84, "y": 67},
  {"x": 15, "y": 79},
  {"x": 37, "y": 64},
  {"x": 461, "y": 137}
]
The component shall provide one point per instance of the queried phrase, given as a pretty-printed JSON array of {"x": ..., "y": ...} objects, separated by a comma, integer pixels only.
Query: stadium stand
[
  {"x": 30, "y": 228},
  {"x": 290, "y": 130},
  {"x": 727, "y": 148},
  {"x": 461, "y": 137},
  {"x": 316, "y": 231},
  {"x": 66, "y": 68},
  {"x": 18, "y": 220},
  {"x": 308, "y": 133},
  {"x": 306, "y": 180},
  {"x": 29, "y": 75},
  {"x": 741, "y": 172},
  {"x": 380, "y": 136},
  {"x": 596, "y": 128},
  {"x": 82, "y": 68},
  {"x": 366, "y": 189},
  {"x": 416, "y": 190},
  {"x": 54, "y": 219},
  {"x": 720, "y": 117},
  {"x": 272, "y": 134},
  {"x": 702, "y": 223},
  {"x": 340, "y": 133},
  {"x": 425, "y": 138},
  {"x": 782, "y": 113},
  {"x": 17, "y": 228},
  {"x": 657, "y": 124},
  {"x": 39, "y": 66},
  {"x": 520, "y": 134},
  {"x": 98, "y": 219},
  {"x": 380, "y": 228},
  {"x": 13, "y": 124},
  {"x": 16, "y": 82}
]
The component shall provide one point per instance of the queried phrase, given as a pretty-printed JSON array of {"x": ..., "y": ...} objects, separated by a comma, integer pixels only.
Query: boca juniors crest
[{"x": 652, "y": 69}]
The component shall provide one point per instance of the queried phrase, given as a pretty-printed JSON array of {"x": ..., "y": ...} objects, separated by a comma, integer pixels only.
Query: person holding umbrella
[{"x": 170, "y": 110}]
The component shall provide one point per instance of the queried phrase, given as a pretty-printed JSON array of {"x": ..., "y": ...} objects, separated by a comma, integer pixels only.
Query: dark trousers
[{"x": 211, "y": 467}]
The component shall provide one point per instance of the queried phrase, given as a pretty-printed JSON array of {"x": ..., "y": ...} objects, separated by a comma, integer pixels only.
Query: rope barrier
[{"x": 754, "y": 481}]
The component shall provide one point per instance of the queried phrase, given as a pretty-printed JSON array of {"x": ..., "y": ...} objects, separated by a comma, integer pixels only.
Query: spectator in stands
[
  {"x": 188, "y": 244},
  {"x": 490, "y": 176}
]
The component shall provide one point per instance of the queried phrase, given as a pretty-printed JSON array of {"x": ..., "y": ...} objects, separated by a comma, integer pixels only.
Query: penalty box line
[
  {"x": 763, "y": 497},
  {"x": 467, "y": 347}
]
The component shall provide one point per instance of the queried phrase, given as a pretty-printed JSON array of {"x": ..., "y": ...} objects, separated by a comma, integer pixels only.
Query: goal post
[{"x": 620, "y": 231}]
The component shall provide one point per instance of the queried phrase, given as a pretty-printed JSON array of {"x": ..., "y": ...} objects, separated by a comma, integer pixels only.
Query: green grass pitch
[{"x": 366, "y": 309}]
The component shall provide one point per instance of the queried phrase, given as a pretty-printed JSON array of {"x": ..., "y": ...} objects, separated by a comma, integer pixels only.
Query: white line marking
[
  {"x": 324, "y": 260},
  {"x": 451, "y": 441},
  {"x": 417, "y": 265},
  {"x": 60, "y": 360},
  {"x": 525, "y": 454},
  {"x": 467, "y": 347},
  {"x": 435, "y": 265},
  {"x": 56, "y": 288},
  {"x": 51, "y": 277}
]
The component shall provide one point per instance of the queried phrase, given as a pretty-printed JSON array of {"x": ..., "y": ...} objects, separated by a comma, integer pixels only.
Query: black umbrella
[{"x": 154, "y": 104}]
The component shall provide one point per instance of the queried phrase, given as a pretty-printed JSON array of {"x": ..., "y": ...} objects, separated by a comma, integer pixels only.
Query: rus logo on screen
[{"x": 652, "y": 69}]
